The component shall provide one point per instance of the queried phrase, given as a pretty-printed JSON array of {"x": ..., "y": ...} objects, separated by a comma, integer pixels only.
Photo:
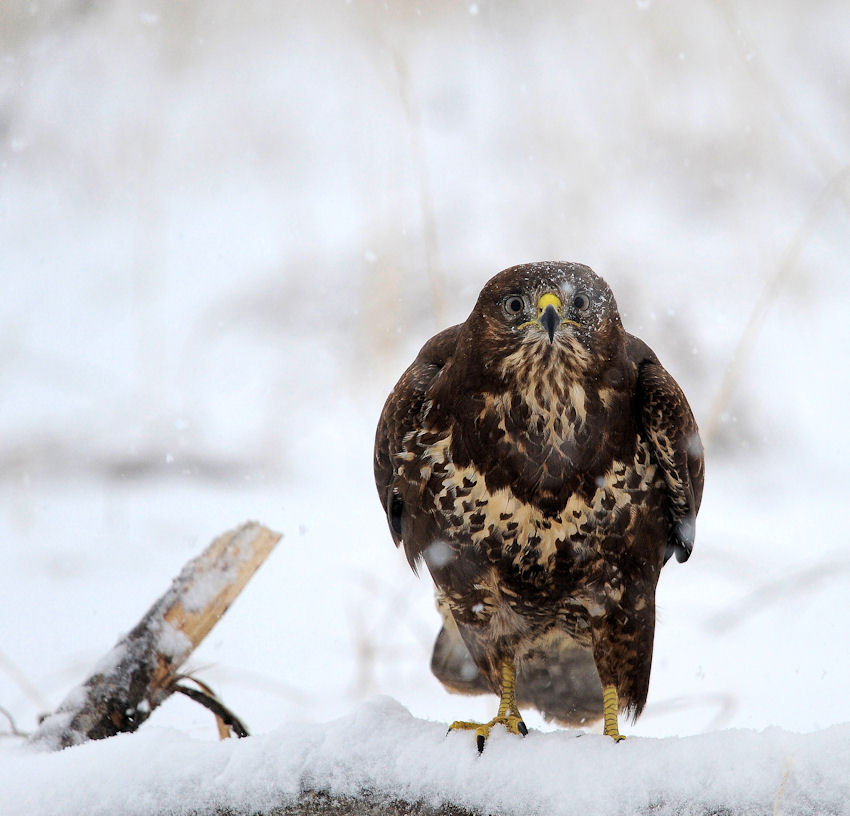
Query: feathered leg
[{"x": 622, "y": 650}]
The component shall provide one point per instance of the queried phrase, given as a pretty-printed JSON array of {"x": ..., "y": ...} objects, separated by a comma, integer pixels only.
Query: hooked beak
[
  {"x": 548, "y": 314},
  {"x": 550, "y": 320}
]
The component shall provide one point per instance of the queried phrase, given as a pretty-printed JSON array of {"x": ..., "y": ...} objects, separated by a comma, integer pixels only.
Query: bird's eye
[
  {"x": 513, "y": 305},
  {"x": 581, "y": 303}
]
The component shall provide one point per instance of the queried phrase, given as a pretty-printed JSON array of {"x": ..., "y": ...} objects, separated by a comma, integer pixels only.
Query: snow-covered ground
[
  {"x": 378, "y": 747},
  {"x": 225, "y": 231}
]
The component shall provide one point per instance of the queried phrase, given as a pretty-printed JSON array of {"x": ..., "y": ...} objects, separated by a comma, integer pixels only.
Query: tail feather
[{"x": 561, "y": 681}]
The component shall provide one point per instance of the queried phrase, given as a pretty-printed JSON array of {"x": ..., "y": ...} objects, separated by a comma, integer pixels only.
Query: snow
[
  {"x": 380, "y": 749},
  {"x": 170, "y": 641},
  {"x": 201, "y": 582},
  {"x": 224, "y": 235}
]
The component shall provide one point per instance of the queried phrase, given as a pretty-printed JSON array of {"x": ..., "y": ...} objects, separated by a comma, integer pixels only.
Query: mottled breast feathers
[{"x": 495, "y": 398}]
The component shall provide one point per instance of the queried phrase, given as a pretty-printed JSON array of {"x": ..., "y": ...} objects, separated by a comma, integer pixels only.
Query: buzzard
[{"x": 544, "y": 466}]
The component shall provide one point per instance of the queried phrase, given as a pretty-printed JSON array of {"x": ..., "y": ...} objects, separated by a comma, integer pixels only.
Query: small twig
[
  {"x": 725, "y": 703},
  {"x": 433, "y": 266},
  {"x": 13, "y": 671},
  {"x": 14, "y": 732},
  {"x": 228, "y": 722},
  {"x": 781, "y": 790},
  {"x": 773, "y": 93},
  {"x": 768, "y": 295},
  {"x": 781, "y": 589}
]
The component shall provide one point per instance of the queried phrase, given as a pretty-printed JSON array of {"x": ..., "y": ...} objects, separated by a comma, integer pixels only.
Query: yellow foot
[
  {"x": 508, "y": 715},
  {"x": 611, "y": 705},
  {"x": 513, "y": 722}
]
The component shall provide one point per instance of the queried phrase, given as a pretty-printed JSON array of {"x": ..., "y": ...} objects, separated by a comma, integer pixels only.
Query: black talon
[
  {"x": 480, "y": 740},
  {"x": 521, "y": 727}
]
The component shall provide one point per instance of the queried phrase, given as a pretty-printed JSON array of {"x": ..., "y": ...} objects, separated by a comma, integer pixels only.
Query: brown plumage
[{"x": 544, "y": 466}]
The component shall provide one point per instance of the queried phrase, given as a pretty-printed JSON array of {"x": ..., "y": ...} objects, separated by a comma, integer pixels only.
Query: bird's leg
[
  {"x": 610, "y": 708},
  {"x": 508, "y": 714},
  {"x": 622, "y": 651},
  {"x": 508, "y": 710}
]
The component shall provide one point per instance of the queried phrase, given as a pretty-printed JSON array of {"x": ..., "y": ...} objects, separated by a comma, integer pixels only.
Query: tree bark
[{"x": 141, "y": 670}]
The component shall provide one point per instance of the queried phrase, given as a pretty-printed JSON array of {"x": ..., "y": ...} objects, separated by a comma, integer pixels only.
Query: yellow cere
[{"x": 549, "y": 299}]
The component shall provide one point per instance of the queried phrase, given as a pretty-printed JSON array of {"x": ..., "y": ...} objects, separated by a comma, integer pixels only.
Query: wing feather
[
  {"x": 669, "y": 427},
  {"x": 402, "y": 415}
]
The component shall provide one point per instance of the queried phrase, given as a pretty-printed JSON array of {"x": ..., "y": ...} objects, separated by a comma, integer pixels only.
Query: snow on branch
[
  {"x": 141, "y": 670},
  {"x": 380, "y": 760}
]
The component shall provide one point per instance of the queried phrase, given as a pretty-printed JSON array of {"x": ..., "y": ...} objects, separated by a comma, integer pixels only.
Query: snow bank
[{"x": 383, "y": 750}]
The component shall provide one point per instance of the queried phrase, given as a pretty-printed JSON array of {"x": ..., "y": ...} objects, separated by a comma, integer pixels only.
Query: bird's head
[{"x": 555, "y": 314}]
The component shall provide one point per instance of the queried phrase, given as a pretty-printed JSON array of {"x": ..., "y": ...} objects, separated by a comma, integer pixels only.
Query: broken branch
[{"x": 141, "y": 670}]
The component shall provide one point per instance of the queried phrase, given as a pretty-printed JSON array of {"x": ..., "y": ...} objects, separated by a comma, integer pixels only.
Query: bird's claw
[{"x": 512, "y": 722}]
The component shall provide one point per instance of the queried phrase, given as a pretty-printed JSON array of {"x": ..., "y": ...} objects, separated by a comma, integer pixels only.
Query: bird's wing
[
  {"x": 401, "y": 416},
  {"x": 672, "y": 434}
]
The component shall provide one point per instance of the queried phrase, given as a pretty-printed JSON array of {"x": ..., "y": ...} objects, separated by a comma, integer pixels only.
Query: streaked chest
[{"x": 501, "y": 523}]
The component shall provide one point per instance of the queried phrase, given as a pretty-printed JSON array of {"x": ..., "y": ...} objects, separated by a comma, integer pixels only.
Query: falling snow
[{"x": 226, "y": 233}]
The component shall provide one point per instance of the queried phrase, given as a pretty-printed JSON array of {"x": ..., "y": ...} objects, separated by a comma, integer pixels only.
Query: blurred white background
[{"x": 226, "y": 229}]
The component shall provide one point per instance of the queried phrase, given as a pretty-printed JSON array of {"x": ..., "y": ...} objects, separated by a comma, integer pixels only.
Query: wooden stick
[{"x": 140, "y": 671}]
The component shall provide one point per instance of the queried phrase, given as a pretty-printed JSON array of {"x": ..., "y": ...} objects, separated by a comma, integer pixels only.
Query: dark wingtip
[
  {"x": 681, "y": 551},
  {"x": 685, "y": 531},
  {"x": 396, "y": 511},
  {"x": 682, "y": 543}
]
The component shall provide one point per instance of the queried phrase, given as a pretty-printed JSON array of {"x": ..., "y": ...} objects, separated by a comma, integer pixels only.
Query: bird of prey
[{"x": 544, "y": 466}]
